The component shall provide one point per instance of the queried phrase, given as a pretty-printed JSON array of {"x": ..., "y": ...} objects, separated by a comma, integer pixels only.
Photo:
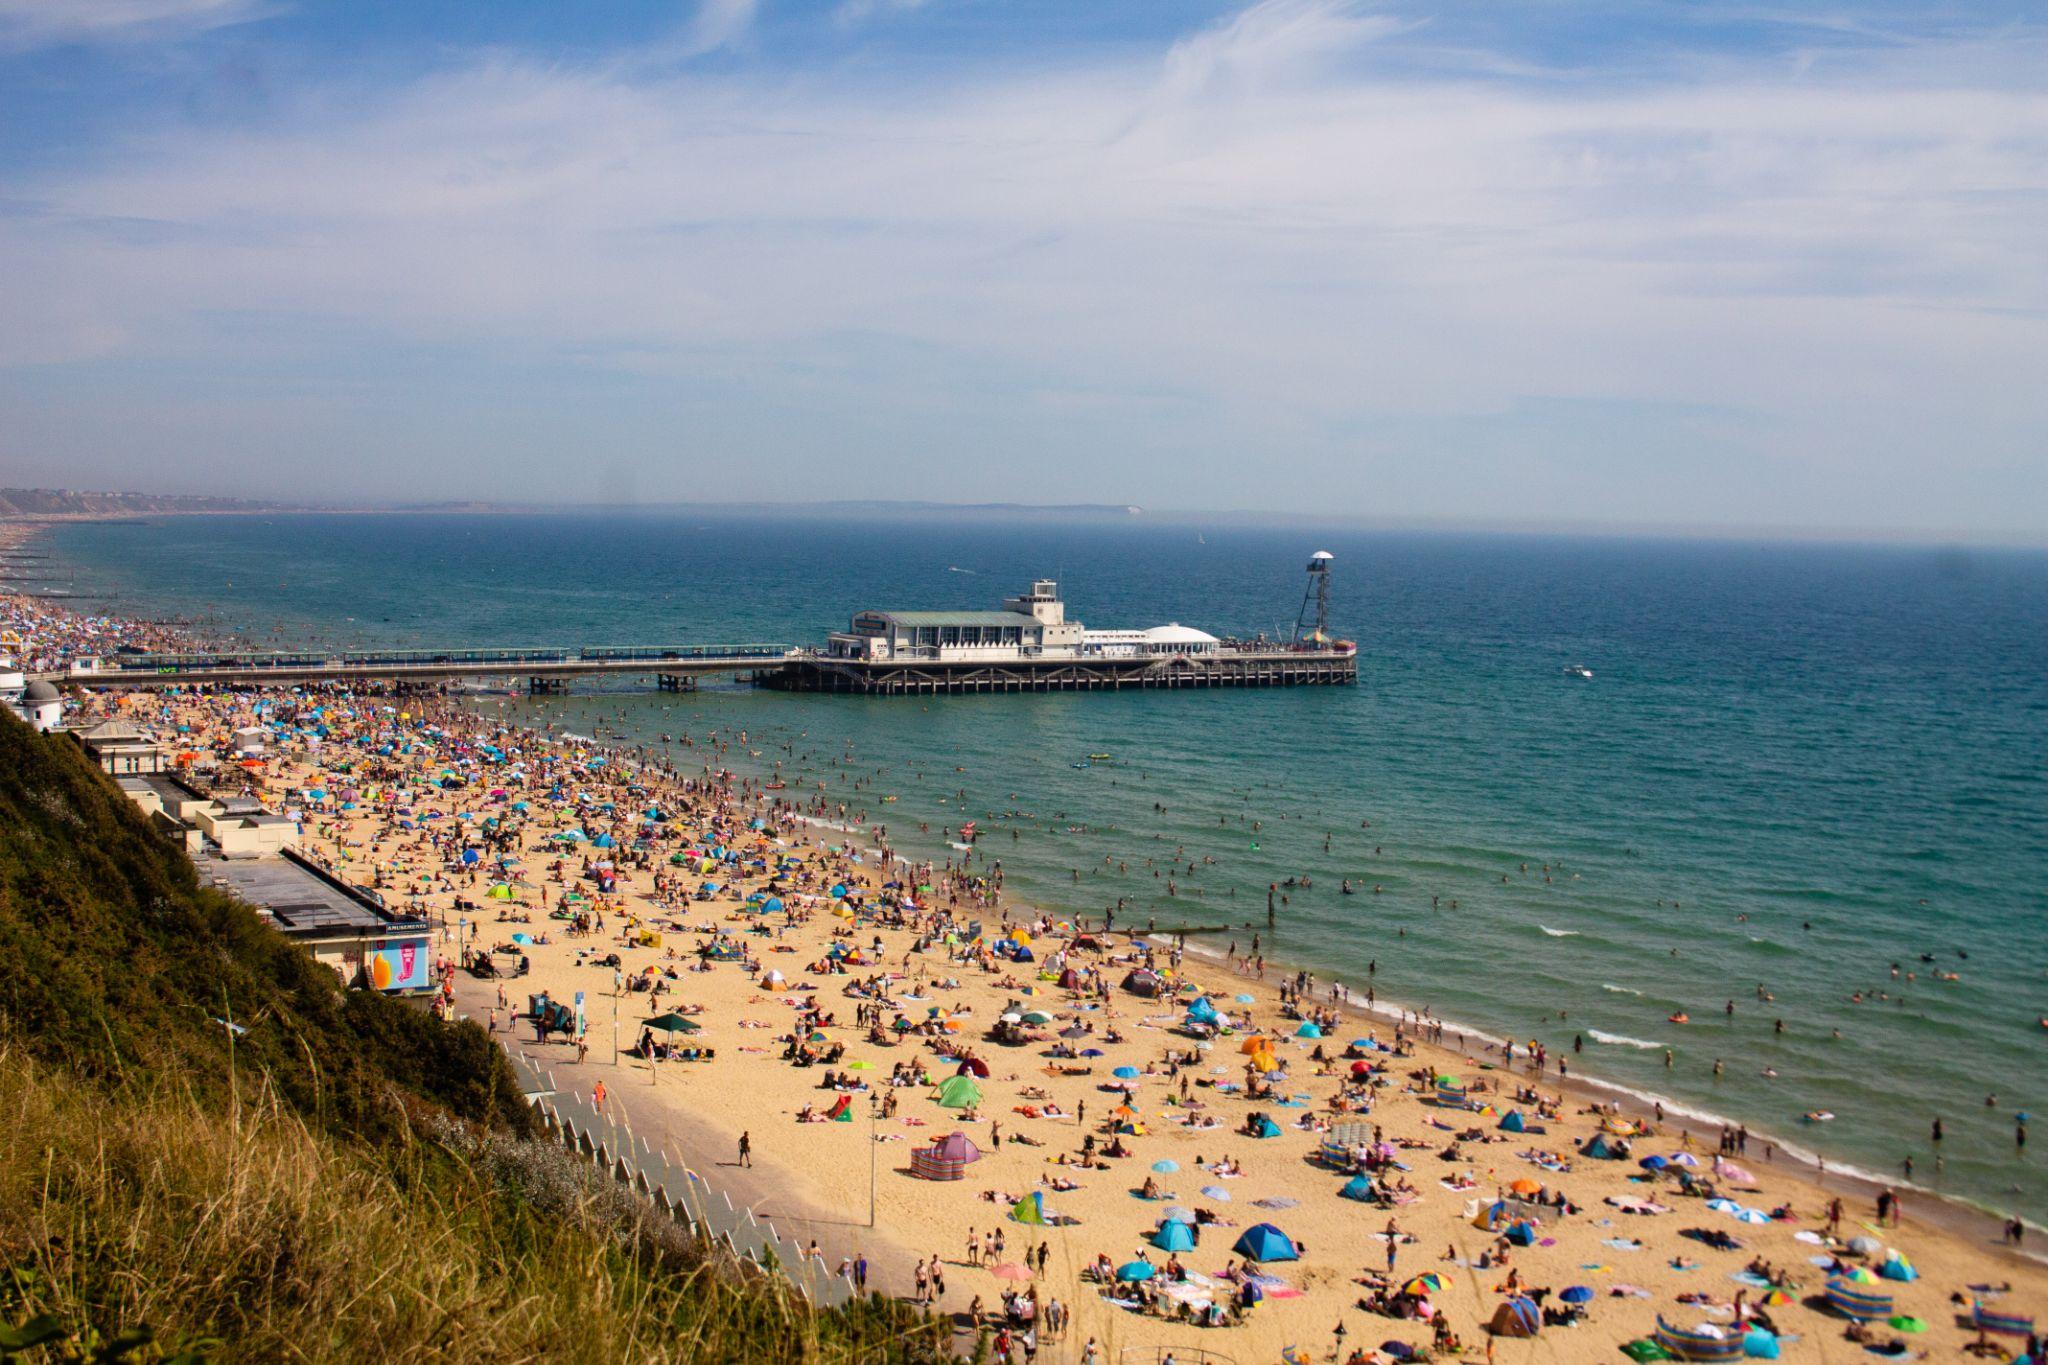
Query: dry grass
[{"x": 146, "y": 1207}]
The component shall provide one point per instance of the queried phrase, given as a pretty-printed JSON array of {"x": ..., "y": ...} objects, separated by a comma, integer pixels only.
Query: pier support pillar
[
  {"x": 547, "y": 687},
  {"x": 676, "y": 682}
]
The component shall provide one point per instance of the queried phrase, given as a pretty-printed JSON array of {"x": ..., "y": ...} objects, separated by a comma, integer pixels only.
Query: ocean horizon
[{"x": 1795, "y": 769}]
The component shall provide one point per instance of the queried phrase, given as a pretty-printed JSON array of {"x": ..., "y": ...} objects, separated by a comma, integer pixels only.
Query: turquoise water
[{"x": 1847, "y": 745}]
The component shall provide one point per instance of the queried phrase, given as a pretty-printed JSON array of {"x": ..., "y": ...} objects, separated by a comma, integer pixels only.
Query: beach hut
[
  {"x": 946, "y": 1159},
  {"x": 1512, "y": 1122},
  {"x": 1174, "y": 1235},
  {"x": 1357, "y": 1187},
  {"x": 1264, "y": 1242},
  {"x": 1705, "y": 1342},
  {"x": 1516, "y": 1317},
  {"x": 959, "y": 1092},
  {"x": 1856, "y": 1296}
]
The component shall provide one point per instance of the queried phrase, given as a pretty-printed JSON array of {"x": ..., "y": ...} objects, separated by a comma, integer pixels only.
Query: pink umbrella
[
  {"x": 1010, "y": 1270},
  {"x": 1728, "y": 1170}
]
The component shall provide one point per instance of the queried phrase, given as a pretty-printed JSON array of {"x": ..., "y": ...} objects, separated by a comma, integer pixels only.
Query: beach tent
[
  {"x": 946, "y": 1159},
  {"x": 1758, "y": 1344},
  {"x": 1131, "y": 1272},
  {"x": 1202, "y": 1012},
  {"x": 842, "y": 1112},
  {"x": 1516, "y": 1317},
  {"x": 1857, "y": 1298},
  {"x": 1070, "y": 980},
  {"x": 1264, "y": 1242},
  {"x": 1309, "y": 1030},
  {"x": 1031, "y": 1209},
  {"x": 1597, "y": 1148},
  {"x": 1512, "y": 1122},
  {"x": 1174, "y": 1235},
  {"x": 1266, "y": 1128},
  {"x": 1493, "y": 1217},
  {"x": 959, "y": 1092},
  {"x": 1897, "y": 1267},
  {"x": 1143, "y": 982},
  {"x": 973, "y": 1066},
  {"x": 1357, "y": 1187},
  {"x": 1522, "y": 1234},
  {"x": 1705, "y": 1342}
]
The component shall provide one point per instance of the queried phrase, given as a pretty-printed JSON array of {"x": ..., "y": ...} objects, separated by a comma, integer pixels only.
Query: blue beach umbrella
[
  {"x": 1127, "y": 1073},
  {"x": 1130, "y": 1272},
  {"x": 1577, "y": 1293},
  {"x": 1167, "y": 1167},
  {"x": 1217, "y": 1193}
]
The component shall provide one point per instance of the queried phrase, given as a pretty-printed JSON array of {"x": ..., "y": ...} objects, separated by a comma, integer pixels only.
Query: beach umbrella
[
  {"x": 1775, "y": 1298},
  {"x": 1073, "y": 1031},
  {"x": 1010, "y": 1270},
  {"x": 1653, "y": 1163},
  {"x": 1217, "y": 1193},
  {"x": 1127, "y": 1073},
  {"x": 1278, "y": 1201},
  {"x": 1091, "y": 1052},
  {"x": 1037, "y": 1017},
  {"x": 1422, "y": 1286},
  {"x": 1361, "y": 1068},
  {"x": 1525, "y": 1186},
  {"x": 1866, "y": 1246},
  {"x": 1179, "y": 1215},
  {"x": 1728, "y": 1170},
  {"x": 1167, "y": 1167},
  {"x": 1577, "y": 1293},
  {"x": 1131, "y": 1272}
]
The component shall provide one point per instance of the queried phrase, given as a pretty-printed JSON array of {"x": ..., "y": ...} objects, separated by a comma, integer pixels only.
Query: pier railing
[{"x": 675, "y": 1188}]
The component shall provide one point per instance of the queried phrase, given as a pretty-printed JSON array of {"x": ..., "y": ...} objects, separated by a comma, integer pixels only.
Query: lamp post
[
  {"x": 874, "y": 1107},
  {"x": 618, "y": 984}
]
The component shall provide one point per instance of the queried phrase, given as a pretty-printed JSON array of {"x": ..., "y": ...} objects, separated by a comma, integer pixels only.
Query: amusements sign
[{"x": 399, "y": 966}]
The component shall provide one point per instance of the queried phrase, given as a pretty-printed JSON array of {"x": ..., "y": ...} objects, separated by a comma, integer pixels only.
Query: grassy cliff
[{"x": 339, "y": 1178}]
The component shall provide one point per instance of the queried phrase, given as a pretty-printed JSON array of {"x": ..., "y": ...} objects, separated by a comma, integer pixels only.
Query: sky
[{"x": 1734, "y": 265}]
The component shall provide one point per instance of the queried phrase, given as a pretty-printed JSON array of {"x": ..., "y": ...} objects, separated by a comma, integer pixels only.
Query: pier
[{"x": 547, "y": 671}]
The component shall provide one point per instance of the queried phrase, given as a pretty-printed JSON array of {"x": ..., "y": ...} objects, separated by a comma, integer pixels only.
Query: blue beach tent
[
  {"x": 1264, "y": 1242},
  {"x": 1174, "y": 1235}
]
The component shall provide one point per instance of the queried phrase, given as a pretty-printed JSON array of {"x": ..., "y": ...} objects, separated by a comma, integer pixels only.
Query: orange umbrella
[{"x": 1525, "y": 1186}]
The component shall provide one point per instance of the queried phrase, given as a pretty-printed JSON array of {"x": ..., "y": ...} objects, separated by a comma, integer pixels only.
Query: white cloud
[
  {"x": 26, "y": 24},
  {"x": 1254, "y": 250},
  {"x": 720, "y": 23}
]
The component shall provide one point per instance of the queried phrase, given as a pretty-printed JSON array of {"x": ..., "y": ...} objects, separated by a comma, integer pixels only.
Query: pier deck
[{"x": 547, "y": 670}]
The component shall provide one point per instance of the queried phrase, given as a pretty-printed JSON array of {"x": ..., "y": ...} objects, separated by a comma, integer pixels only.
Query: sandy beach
[{"x": 883, "y": 971}]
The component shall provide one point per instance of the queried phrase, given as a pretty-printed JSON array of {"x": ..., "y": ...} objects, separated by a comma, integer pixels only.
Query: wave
[
  {"x": 1619, "y": 990},
  {"x": 1558, "y": 933},
  {"x": 1619, "y": 1039}
]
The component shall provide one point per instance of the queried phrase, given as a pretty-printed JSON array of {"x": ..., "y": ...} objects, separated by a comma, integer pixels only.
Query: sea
[{"x": 1816, "y": 773}]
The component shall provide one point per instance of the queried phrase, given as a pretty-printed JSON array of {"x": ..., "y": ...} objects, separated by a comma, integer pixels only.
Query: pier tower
[{"x": 1315, "y": 599}]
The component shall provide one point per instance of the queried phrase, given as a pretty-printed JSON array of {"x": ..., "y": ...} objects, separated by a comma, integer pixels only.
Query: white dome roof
[{"x": 1178, "y": 634}]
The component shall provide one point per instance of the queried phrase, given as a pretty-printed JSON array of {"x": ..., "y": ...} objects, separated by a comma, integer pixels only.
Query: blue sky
[{"x": 1730, "y": 265}]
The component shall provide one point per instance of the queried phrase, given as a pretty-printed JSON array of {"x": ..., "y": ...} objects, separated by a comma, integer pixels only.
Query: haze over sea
[{"x": 1793, "y": 767}]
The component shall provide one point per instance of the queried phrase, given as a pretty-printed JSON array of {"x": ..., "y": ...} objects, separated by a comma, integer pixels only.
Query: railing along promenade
[{"x": 675, "y": 1188}]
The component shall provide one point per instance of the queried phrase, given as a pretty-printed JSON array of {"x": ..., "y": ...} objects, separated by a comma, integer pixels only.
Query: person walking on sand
[{"x": 746, "y": 1149}]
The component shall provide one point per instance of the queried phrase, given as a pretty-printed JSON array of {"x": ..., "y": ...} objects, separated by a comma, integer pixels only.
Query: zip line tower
[{"x": 1312, "y": 623}]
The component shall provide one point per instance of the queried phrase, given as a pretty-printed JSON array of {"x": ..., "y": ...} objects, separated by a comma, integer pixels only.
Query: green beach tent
[{"x": 959, "y": 1092}]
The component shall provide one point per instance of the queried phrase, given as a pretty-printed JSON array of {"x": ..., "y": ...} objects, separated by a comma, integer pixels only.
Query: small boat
[
  {"x": 1681, "y": 1018},
  {"x": 774, "y": 786},
  {"x": 1098, "y": 758},
  {"x": 1578, "y": 670},
  {"x": 1817, "y": 1116}
]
